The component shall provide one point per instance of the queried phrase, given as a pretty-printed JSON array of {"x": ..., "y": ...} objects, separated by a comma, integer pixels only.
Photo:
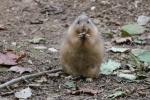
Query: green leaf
[
  {"x": 108, "y": 67},
  {"x": 118, "y": 49},
  {"x": 117, "y": 94},
  {"x": 132, "y": 29},
  {"x": 140, "y": 42},
  {"x": 127, "y": 76},
  {"x": 142, "y": 55},
  {"x": 70, "y": 84},
  {"x": 3, "y": 68}
]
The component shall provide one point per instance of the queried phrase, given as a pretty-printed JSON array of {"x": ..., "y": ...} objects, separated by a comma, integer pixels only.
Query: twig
[
  {"x": 7, "y": 93},
  {"x": 84, "y": 91},
  {"x": 13, "y": 81}
]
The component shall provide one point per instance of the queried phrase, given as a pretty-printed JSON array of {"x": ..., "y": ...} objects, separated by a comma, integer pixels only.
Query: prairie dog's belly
[{"x": 82, "y": 60}]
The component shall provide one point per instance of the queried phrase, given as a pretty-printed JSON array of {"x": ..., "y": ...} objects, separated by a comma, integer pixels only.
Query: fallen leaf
[
  {"x": 132, "y": 29},
  {"x": 143, "y": 20},
  {"x": 108, "y": 67},
  {"x": 24, "y": 94},
  {"x": 142, "y": 55},
  {"x": 52, "y": 49},
  {"x": 118, "y": 49},
  {"x": 70, "y": 84},
  {"x": 8, "y": 58},
  {"x": 20, "y": 69},
  {"x": 37, "y": 40},
  {"x": 122, "y": 40},
  {"x": 127, "y": 76},
  {"x": 117, "y": 94}
]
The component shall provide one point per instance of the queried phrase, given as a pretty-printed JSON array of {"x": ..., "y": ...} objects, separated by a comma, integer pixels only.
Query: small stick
[{"x": 13, "y": 81}]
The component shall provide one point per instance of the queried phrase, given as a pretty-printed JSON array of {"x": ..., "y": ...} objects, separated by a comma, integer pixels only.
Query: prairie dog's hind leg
[
  {"x": 69, "y": 70},
  {"x": 92, "y": 72}
]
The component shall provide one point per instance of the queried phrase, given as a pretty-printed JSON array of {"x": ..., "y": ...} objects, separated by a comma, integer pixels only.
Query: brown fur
[{"x": 82, "y": 55}]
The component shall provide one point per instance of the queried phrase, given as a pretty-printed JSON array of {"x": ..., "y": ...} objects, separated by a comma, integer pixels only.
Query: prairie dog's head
[{"x": 83, "y": 28}]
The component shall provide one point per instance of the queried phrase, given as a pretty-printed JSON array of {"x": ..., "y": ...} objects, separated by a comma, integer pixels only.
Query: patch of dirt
[{"x": 25, "y": 19}]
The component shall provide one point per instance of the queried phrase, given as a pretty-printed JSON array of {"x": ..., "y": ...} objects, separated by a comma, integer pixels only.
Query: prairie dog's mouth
[{"x": 81, "y": 35}]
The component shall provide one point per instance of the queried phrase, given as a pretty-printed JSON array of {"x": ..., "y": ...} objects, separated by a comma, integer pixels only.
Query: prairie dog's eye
[
  {"x": 78, "y": 22},
  {"x": 88, "y": 22}
]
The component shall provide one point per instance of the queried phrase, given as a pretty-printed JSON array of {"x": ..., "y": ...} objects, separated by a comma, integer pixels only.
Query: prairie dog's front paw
[
  {"x": 70, "y": 77},
  {"x": 89, "y": 80}
]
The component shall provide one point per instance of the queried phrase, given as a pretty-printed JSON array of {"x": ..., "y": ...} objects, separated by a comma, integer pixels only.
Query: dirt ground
[{"x": 25, "y": 19}]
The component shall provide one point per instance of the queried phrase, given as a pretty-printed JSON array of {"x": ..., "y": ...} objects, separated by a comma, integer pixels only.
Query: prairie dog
[{"x": 82, "y": 52}]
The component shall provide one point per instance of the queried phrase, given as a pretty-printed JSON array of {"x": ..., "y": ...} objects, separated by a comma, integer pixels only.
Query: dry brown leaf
[
  {"x": 20, "y": 56},
  {"x": 10, "y": 58}
]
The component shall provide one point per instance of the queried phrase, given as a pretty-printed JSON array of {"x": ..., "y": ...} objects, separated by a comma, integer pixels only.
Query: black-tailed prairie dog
[{"x": 82, "y": 51}]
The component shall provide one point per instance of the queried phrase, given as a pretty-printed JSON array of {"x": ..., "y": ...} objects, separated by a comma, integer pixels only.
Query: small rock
[
  {"x": 14, "y": 43},
  {"x": 143, "y": 20},
  {"x": 93, "y": 8},
  {"x": 52, "y": 49},
  {"x": 40, "y": 47},
  {"x": 30, "y": 62}
]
